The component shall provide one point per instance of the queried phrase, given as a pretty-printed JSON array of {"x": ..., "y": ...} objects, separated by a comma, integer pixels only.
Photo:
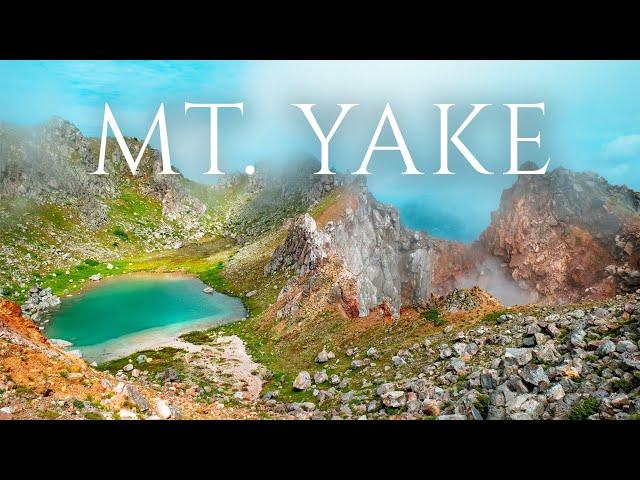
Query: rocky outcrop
[
  {"x": 465, "y": 300},
  {"x": 556, "y": 238},
  {"x": 39, "y": 301},
  {"x": 390, "y": 264},
  {"x": 304, "y": 249},
  {"x": 380, "y": 263},
  {"x": 559, "y": 232}
]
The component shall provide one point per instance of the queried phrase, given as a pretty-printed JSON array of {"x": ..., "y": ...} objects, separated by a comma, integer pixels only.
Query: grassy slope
[
  {"x": 61, "y": 226},
  {"x": 284, "y": 347}
]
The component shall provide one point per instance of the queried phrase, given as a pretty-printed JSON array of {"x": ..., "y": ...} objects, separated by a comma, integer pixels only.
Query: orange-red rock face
[
  {"x": 11, "y": 318},
  {"x": 455, "y": 263},
  {"x": 558, "y": 232},
  {"x": 556, "y": 238}
]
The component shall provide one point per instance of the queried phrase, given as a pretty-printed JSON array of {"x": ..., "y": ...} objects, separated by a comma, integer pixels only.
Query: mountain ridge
[{"x": 323, "y": 268}]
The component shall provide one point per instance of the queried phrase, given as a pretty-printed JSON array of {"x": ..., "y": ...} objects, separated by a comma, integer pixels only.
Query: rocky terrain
[
  {"x": 568, "y": 235},
  {"x": 40, "y": 380},
  {"x": 54, "y": 215},
  {"x": 555, "y": 363},
  {"x": 350, "y": 314}
]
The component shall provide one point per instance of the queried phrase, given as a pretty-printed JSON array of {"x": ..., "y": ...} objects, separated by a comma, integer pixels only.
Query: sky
[{"x": 591, "y": 120}]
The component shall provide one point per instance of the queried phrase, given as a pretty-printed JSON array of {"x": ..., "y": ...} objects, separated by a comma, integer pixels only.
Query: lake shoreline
[
  {"x": 119, "y": 304},
  {"x": 150, "y": 339},
  {"x": 91, "y": 284}
]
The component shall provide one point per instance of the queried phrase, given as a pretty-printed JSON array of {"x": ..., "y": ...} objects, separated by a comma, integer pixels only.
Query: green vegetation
[
  {"x": 584, "y": 409},
  {"x": 433, "y": 315},
  {"x": 48, "y": 414},
  {"x": 24, "y": 390},
  {"x": 482, "y": 404},
  {"x": 121, "y": 234},
  {"x": 213, "y": 276},
  {"x": 160, "y": 360},
  {"x": 197, "y": 337},
  {"x": 493, "y": 316},
  {"x": 625, "y": 385},
  {"x": 93, "y": 416}
]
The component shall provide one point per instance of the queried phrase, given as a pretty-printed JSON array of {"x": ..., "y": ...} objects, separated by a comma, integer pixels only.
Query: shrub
[
  {"x": 197, "y": 337},
  {"x": 482, "y": 404},
  {"x": 584, "y": 409},
  {"x": 93, "y": 416},
  {"x": 118, "y": 232},
  {"x": 626, "y": 386}
]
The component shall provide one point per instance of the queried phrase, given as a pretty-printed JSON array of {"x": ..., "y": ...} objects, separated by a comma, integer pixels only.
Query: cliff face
[
  {"x": 392, "y": 264},
  {"x": 559, "y": 232},
  {"x": 380, "y": 262},
  {"x": 556, "y": 238}
]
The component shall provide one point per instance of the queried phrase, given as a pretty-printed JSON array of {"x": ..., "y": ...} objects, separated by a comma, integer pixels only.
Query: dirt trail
[{"x": 229, "y": 361}]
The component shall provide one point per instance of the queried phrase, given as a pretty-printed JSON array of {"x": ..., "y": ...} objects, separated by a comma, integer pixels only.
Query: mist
[{"x": 495, "y": 278}]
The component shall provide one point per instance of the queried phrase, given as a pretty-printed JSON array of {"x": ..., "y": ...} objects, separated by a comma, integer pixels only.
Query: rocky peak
[
  {"x": 557, "y": 232},
  {"x": 303, "y": 251},
  {"x": 559, "y": 237},
  {"x": 382, "y": 263}
]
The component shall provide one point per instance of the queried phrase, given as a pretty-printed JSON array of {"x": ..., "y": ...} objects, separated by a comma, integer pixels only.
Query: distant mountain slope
[{"x": 54, "y": 214}]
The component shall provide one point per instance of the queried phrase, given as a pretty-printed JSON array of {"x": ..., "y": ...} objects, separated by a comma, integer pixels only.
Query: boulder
[
  {"x": 394, "y": 399},
  {"x": 457, "y": 365},
  {"x": 163, "y": 410},
  {"x": 75, "y": 377},
  {"x": 517, "y": 356},
  {"x": 302, "y": 381},
  {"x": 606, "y": 347},
  {"x": 133, "y": 394},
  {"x": 384, "y": 389},
  {"x": 430, "y": 407},
  {"x": 631, "y": 359},
  {"x": 555, "y": 393},
  {"x": 398, "y": 361},
  {"x": 459, "y": 348},
  {"x": 535, "y": 375},
  {"x": 322, "y": 356},
  {"x": 547, "y": 353},
  {"x": 320, "y": 377}
]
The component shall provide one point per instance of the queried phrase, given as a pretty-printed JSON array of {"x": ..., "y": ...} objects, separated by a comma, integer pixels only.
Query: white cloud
[{"x": 624, "y": 146}]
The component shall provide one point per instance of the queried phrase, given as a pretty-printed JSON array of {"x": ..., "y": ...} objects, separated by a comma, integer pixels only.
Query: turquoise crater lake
[{"x": 122, "y": 315}]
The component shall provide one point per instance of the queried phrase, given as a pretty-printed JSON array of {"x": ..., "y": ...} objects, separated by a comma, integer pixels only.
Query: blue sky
[{"x": 592, "y": 119}]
